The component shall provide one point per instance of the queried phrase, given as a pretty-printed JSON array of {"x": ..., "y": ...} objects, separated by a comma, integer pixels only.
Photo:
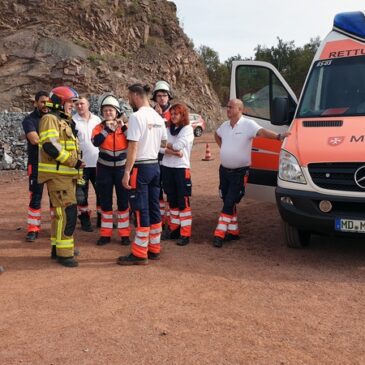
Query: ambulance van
[{"x": 317, "y": 176}]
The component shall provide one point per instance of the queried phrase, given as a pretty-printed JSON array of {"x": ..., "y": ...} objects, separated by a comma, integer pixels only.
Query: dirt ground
[{"x": 252, "y": 302}]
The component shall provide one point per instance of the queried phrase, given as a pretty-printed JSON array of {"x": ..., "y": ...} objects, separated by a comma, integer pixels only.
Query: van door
[{"x": 257, "y": 84}]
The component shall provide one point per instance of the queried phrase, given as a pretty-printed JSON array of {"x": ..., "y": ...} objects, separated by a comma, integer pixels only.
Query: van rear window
[{"x": 335, "y": 87}]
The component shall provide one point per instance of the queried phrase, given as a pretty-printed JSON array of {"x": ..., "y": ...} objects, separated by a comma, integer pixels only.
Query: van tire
[{"x": 295, "y": 238}]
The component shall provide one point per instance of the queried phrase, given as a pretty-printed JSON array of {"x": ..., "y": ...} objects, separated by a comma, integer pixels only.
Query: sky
[{"x": 233, "y": 27}]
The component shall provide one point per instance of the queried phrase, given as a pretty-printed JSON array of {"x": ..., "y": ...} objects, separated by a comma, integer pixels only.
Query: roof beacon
[{"x": 351, "y": 23}]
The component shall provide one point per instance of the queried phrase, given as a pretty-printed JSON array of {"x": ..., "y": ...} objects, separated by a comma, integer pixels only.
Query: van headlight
[{"x": 289, "y": 169}]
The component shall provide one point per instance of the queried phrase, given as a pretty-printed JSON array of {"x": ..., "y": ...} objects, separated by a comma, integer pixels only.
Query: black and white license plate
[{"x": 350, "y": 225}]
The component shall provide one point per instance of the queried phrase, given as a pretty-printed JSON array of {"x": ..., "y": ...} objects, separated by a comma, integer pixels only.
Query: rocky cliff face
[{"x": 97, "y": 46}]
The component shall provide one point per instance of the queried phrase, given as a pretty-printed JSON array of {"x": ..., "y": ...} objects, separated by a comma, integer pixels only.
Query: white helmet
[
  {"x": 111, "y": 100},
  {"x": 161, "y": 86}
]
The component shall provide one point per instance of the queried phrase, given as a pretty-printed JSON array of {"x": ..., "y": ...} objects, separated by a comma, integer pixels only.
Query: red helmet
[{"x": 60, "y": 94}]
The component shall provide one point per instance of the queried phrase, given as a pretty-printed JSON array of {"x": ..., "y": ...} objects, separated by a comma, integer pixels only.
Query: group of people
[{"x": 141, "y": 157}]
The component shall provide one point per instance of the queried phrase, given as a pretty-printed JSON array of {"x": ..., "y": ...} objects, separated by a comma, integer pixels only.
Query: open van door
[{"x": 269, "y": 101}]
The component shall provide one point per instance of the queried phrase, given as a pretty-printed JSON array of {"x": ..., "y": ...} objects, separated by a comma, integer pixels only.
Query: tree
[{"x": 291, "y": 61}]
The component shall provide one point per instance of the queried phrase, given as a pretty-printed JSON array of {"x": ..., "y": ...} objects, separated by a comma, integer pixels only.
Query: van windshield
[{"x": 335, "y": 87}]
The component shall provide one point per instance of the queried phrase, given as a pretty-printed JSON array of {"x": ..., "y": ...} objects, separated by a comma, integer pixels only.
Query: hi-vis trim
[
  {"x": 112, "y": 153},
  {"x": 48, "y": 134},
  {"x": 63, "y": 156},
  {"x": 62, "y": 170},
  {"x": 70, "y": 145},
  {"x": 111, "y": 163}
]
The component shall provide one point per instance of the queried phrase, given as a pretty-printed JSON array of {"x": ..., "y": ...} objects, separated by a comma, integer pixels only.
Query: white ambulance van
[{"x": 318, "y": 174}]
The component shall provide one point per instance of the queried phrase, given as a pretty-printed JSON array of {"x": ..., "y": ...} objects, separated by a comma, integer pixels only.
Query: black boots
[
  {"x": 103, "y": 241},
  {"x": 85, "y": 222},
  {"x": 183, "y": 241},
  {"x": 67, "y": 261},
  {"x": 131, "y": 260},
  {"x": 125, "y": 241},
  {"x": 217, "y": 242},
  {"x": 31, "y": 236}
]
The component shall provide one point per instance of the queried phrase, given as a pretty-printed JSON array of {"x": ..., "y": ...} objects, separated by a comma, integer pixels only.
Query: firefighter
[
  {"x": 31, "y": 129},
  {"x": 110, "y": 137},
  {"x": 60, "y": 166},
  {"x": 176, "y": 178},
  {"x": 85, "y": 123},
  {"x": 162, "y": 97},
  {"x": 146, "y": 134}
]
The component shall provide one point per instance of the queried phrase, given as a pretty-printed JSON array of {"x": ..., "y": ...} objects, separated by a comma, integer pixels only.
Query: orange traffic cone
[{"x": 208, "y": 155}]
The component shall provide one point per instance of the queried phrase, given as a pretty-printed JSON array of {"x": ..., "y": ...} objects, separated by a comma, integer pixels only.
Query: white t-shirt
[
  {"x": 182, "y": 142},
  {"x": 148, "y": 129},
  {"x": 237, "y": 142},
  {"x": 84, "y": 128}
]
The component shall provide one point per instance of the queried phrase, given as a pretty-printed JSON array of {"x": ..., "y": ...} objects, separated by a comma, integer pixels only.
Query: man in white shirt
[
  {"x": 85, "y": 122},
  {"x": 234, "y": 137},
  {"x": 146, "y": 134}
]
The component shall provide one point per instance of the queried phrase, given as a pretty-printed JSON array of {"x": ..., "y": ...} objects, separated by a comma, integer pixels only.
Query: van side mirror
[{"x": 280, "y": 111}]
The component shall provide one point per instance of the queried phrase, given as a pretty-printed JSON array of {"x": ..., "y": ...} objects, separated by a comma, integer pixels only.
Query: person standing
[
  {"x": 162, "y": 97},
  {"x": 85, "y": 123},
  {"x": 111, "y": 139},
  {"x": 31, "y": 130},
  {"x": 234, "y": 137},
  {"x": 146, "y": 134},
  {"x": 176, "y": 177},
  {"x": 59, "y": 167}
]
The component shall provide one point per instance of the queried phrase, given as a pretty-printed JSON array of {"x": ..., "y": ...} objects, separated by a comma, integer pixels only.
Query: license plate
[{"x": 350, "y": 225}]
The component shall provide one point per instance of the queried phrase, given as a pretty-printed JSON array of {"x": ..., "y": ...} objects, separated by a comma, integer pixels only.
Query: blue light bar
[{"x": 351, "y": 22}]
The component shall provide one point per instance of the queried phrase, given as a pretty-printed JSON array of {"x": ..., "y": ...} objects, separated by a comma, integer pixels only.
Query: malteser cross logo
[{"x": 335, "y": 141}]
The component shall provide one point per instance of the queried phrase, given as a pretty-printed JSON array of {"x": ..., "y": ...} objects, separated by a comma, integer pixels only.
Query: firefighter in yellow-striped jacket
[{"x": 60, "y": 166}]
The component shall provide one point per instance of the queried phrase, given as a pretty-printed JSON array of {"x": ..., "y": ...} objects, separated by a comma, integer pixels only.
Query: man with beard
[
  {"x": 31, "y": 129},
  {"x": 146, "y": 134}
]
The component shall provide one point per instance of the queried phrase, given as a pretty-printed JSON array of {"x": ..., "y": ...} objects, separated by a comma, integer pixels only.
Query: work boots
[
  {"x": 131, "y": 260},
  {"x": 125, "y": 241},
  {"x": 103, "y": 240},
  {"x": 170, "y": 235},
  {"x": 31, "y": 236},
  {"x": 183, "y": 241},
  {"x": 67, "y": 261},
  {"x": 85, "y": 222}
]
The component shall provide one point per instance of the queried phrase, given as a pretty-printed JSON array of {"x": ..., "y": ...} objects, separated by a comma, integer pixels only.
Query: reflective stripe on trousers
[{"x": 223, "y": 221}]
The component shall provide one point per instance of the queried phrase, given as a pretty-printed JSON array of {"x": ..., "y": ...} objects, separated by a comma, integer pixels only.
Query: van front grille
[
  {"x": 322, "y": 123},
  {"x": 336, "y": 176}
]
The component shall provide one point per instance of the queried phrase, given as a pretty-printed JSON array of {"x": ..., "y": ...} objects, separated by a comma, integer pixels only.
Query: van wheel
[
  {"x": 294, "y": 237},
  {"x": 198, "y": 131}
]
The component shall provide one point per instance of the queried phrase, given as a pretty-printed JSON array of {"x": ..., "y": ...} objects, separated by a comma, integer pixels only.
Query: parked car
[{"x": 198, "y": 124}]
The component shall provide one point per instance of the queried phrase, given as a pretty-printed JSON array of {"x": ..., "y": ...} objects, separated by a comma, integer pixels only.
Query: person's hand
[
  {"x": 284, "y": 135},
  {"x": 112, "y": 124},
  {"x": 125, "y": 180},
  {"x": 158, "y": 109},
  {"x": 179, "y": 154},
  {"x": 169, "y": 145}
]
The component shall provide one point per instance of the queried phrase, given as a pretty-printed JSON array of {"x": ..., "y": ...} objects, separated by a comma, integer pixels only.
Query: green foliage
[
  {"x": 291, "y": 61},
  {"x": 218, "y": 73}
]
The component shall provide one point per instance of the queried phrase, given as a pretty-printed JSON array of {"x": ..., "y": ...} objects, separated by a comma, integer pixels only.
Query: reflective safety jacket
[
  {"x": 59, "y": 150},
  {"x": 112, "y": 145}
]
